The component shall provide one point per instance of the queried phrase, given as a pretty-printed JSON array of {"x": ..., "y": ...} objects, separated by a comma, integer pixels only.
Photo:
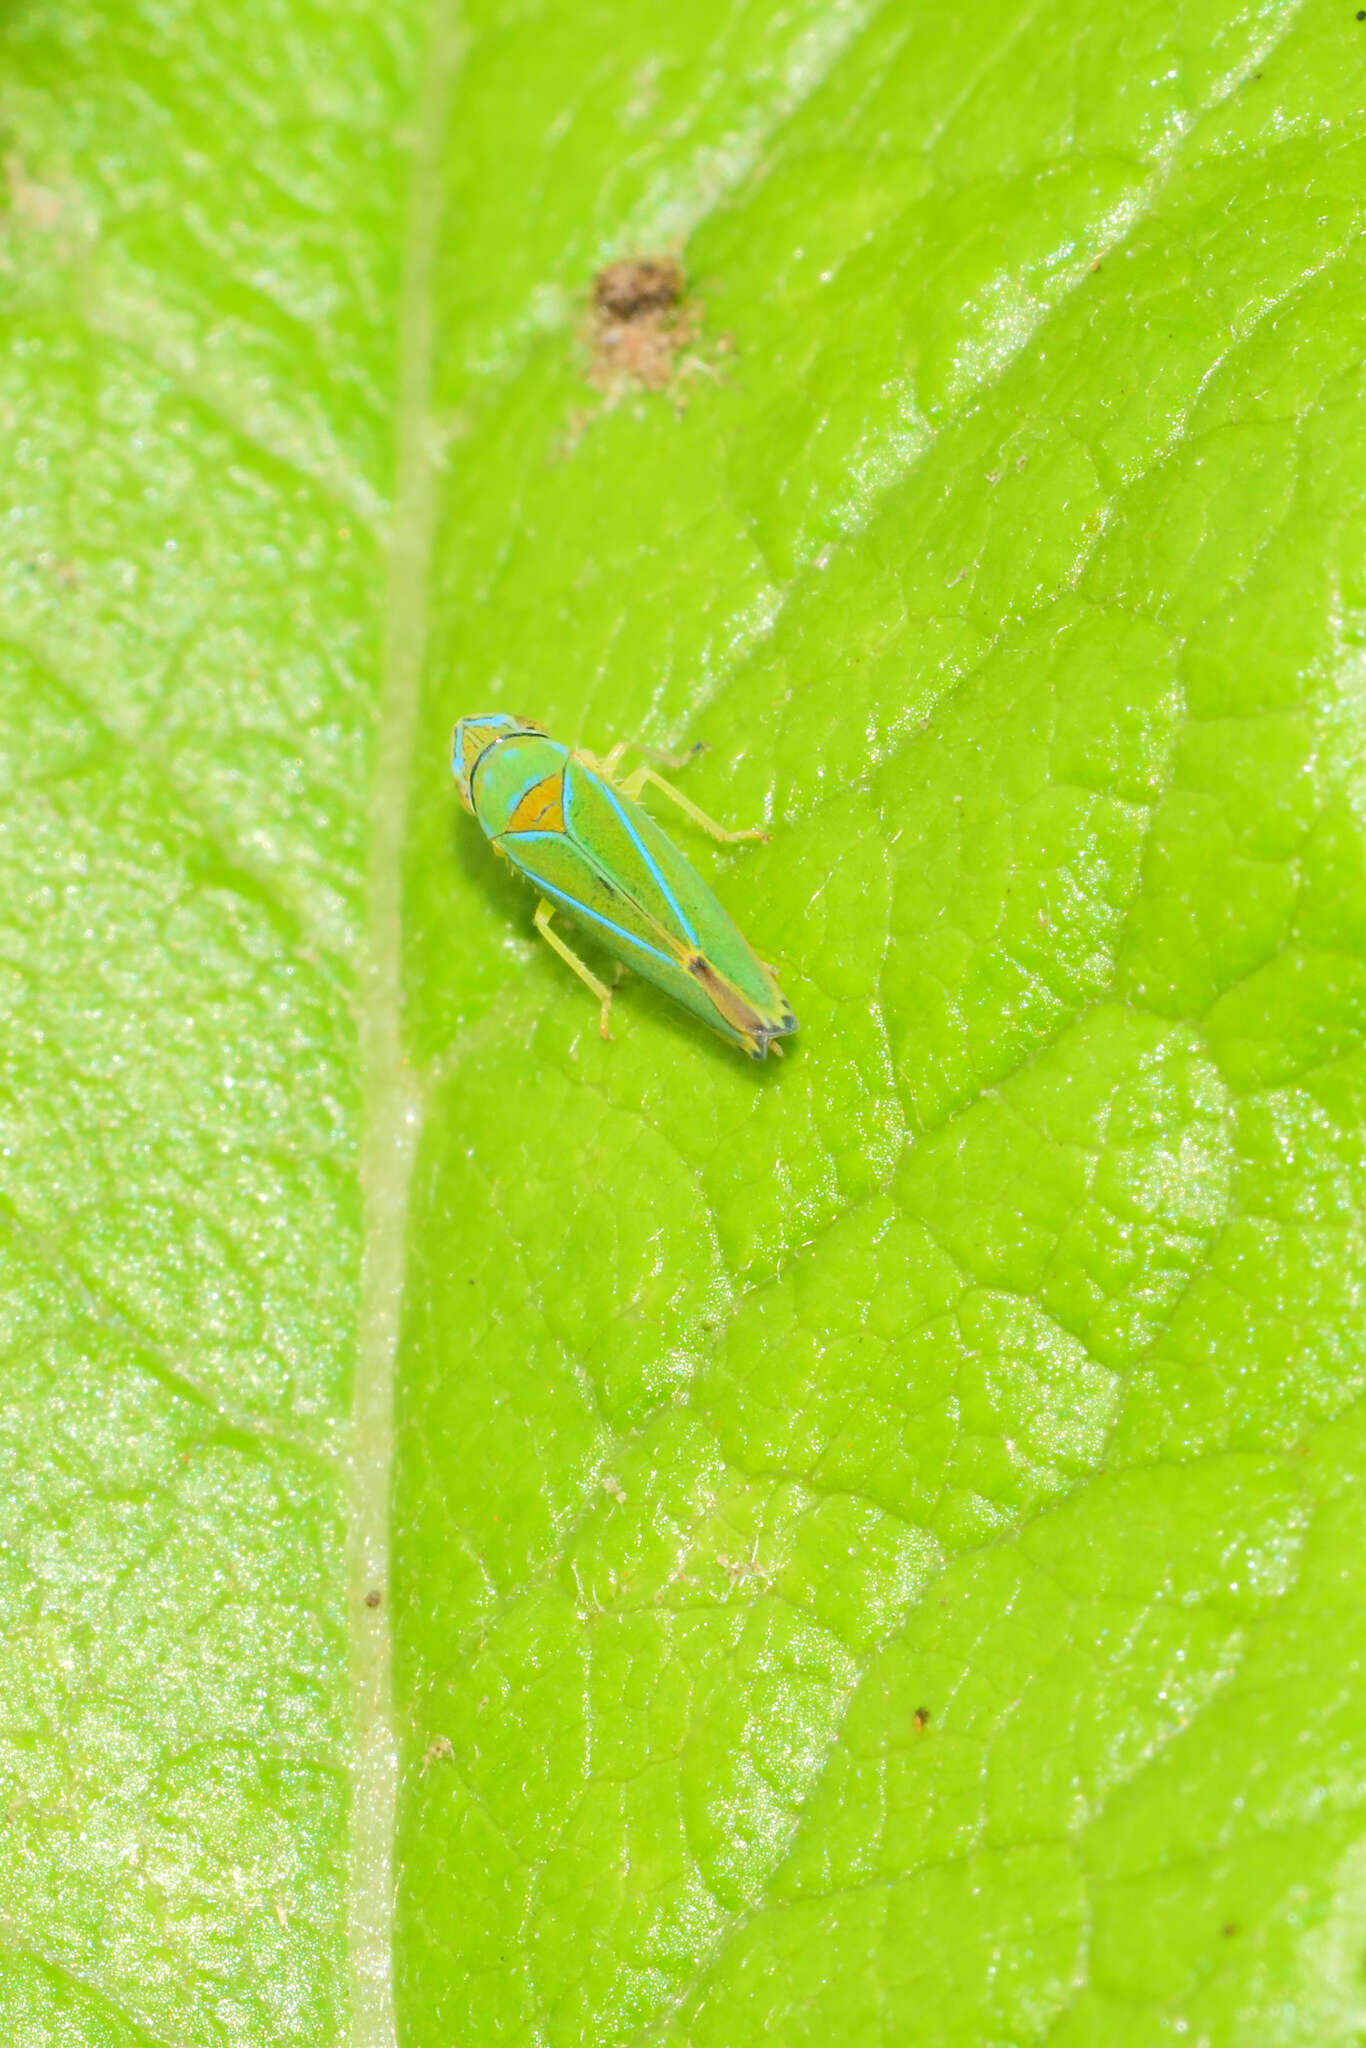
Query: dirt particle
[
  {"x": 37, "y": 205},
  {"x": 641, "y": 325},
  {"x": 637, "y": 286}
]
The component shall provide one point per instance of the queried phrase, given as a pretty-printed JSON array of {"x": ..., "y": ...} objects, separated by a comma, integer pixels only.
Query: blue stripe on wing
[
  {"x": 639, "y": 844},
  {"x": 582, "y": 910}
]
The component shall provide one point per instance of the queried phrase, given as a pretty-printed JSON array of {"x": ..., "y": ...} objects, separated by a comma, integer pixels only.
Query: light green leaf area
[
  {"x": 876, "y": 1555},
  {"x": 879, "y": 1555},
  {"x": 199, "y": 246}
]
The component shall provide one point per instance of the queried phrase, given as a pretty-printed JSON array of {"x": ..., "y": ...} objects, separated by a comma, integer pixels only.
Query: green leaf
[{"x": 876, "y": 1543}]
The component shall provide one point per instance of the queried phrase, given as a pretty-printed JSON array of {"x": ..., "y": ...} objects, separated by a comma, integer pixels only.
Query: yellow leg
[
  {"x": 610, "y": 762},
  {"x": 636, "y": 781},
  {"x": 673, "y": 762},
  {"x": 544, "y": 912}
]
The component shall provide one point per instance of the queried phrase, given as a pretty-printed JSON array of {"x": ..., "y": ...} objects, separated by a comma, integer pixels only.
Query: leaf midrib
[{"x": 388, "y": 1089}]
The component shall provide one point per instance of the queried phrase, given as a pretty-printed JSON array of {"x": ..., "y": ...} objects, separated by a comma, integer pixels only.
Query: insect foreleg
[
  {"x": 636, "y": 781},
  {"x": 612, "y": 760}
]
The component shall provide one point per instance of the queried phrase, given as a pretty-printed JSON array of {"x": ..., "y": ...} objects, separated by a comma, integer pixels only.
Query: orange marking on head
[{"x": 542, "y": 808}]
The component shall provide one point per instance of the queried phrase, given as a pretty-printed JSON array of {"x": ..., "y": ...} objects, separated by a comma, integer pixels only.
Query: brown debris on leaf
[
  {"x": 38, "y": 206},
  {"x": 638, "y": 285},
  {"x": 640, "y": 324}
]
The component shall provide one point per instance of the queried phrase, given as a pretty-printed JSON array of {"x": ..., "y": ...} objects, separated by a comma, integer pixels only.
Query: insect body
[{"x": 563, "y": 820}]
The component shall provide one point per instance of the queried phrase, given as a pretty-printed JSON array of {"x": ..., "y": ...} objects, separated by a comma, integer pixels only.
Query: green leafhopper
[{"x": 564, "y": 821}]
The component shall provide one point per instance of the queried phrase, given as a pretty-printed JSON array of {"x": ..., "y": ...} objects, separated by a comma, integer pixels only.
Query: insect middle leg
[
  {"x": 544, "y": 912},
  {"x": 632, "y": 784}
]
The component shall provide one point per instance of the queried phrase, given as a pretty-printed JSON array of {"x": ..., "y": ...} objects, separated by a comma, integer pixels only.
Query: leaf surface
[{"x": 875, "y": 1541}]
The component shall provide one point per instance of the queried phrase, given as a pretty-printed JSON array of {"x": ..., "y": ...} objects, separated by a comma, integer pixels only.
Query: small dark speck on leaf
[
  {"x": 638, "y": 285},
  {"x": 1229, "y": 1927},
  {"x": 642, "y": 326},
  {"x": 1361, "y": 14},
  {"x": 921, "y": 1717},
  {"x": 373, "y": 1597}
]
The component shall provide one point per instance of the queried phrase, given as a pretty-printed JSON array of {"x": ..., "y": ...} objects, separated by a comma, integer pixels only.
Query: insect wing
[
  {"x": 612, "y": 869},
  {"x": 639, "y": 854},
  {"x": 573, "y": 881}
]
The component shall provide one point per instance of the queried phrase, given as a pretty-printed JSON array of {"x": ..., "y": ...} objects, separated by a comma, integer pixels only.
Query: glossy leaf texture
[{"x": 876, "y": 1547}]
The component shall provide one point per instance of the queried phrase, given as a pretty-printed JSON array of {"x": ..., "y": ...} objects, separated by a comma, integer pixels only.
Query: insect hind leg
[{"x": 544, "y": 912}]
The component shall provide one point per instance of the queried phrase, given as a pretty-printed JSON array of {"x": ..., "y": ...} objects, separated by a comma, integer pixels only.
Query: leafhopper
[{"x": 575, "y": 830}]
